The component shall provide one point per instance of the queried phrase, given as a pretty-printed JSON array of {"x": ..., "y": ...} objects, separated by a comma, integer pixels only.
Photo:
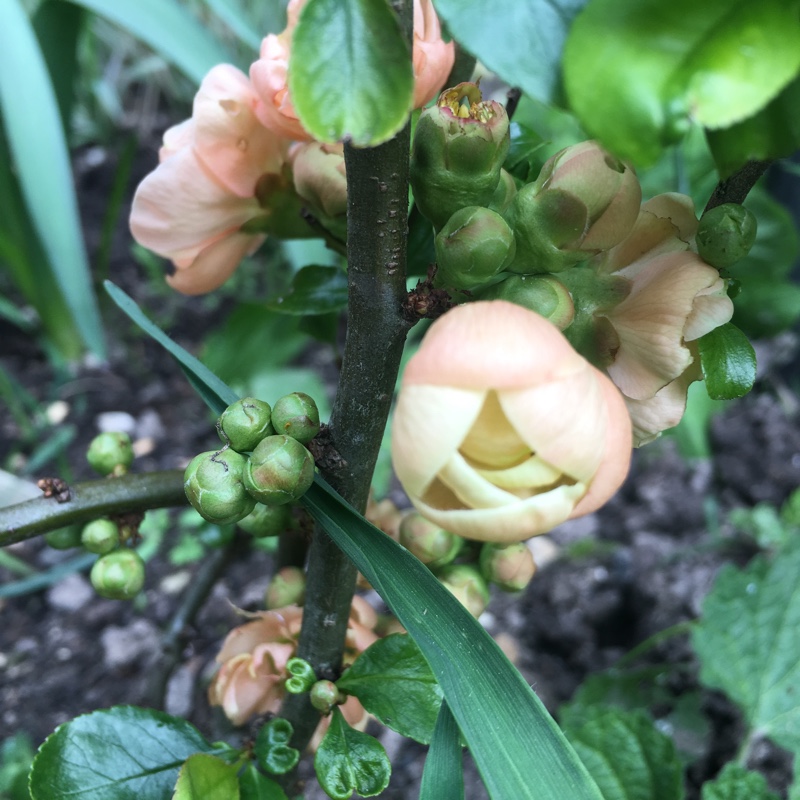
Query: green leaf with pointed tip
[
  {"x": 349, "y": 761},
  {"x": 737, "y": 783},
  {"x": 350, "y": 73},
  {"x": 728, "y": 361},
  {"x": 521, "y": 41},
  {"x": 39, "y": 151},
  {"x": 443, "y": 776},
  {"x": 314, "y": 290},
  {"x": 393, "y": 681},
  {"x": 661, "y": 67},
  {"x": 204, "y": 777},
  {"x": 255, "y": 786},
  {"x": 123, "y": 752},
  {"x": 748, "y": 645},
  {"x": 625, "y": 754},
  {"x": 169, "y": 29}
]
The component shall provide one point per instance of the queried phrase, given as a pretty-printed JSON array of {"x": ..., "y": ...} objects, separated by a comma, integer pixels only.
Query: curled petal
[
  {"x": 268, "y": 627},
  {"x": 534, "y": 472},
  {"x": 175, "y": 138},
  {"x": 470, "y": 487},
  {"x": 433, "y": 58},
  {"x": 711, "y": 308}
]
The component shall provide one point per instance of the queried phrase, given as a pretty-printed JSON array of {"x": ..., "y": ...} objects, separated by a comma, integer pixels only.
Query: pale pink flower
[
  {"x": 674, "y": 298},
  {"x": 191, "y": 209},
  {"x": 433, "y": 58},
  {"x": 502, "y": 431}
]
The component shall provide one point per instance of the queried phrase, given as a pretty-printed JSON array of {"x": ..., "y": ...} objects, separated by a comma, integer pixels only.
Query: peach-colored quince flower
[
  {"x": 254, "y": 657},
  {"x": 432, "y": 61},
  {"x": 674, "y": 299},
  {"x": 191, "y": 209},
  {"x": 502, "y": 431}
]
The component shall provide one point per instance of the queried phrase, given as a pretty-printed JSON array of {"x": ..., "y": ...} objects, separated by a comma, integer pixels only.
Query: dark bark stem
[
  {"x": 736, "y": 188},
  {"x": 90, "y": 500}
]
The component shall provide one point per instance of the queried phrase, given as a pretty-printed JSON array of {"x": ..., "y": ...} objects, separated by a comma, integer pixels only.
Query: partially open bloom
[
  {"x": 502, "y": 431},
  {"x": 674, "y": 299},
  {"x": 254, "y": 657},
  {"x": 319, "y": 178},
  {"x": 202, "y": 206}
]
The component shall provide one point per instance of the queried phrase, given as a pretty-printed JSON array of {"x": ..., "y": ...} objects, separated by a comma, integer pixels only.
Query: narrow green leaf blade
[
  {"x": 123, "y": 752},
  {"x": 487, "y": 695},
  {"x": 350, "y": 72},
  {"x": 232, "y": 16},
  {"x": 169, "y": 29},
  {"x": 393, "y": 681},
  {"x": 204, "y": 777},
  {"x": 737, "y": 783},
  {"x": 521, "y": 41},
  {"x": 728, "y": 361},
  {"x": 443, "y": 776},
  {"x": 39, "y": 150}
]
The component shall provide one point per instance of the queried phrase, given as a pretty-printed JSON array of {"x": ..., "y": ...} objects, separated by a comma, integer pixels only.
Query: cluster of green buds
[{"x": 262, "y": 468}]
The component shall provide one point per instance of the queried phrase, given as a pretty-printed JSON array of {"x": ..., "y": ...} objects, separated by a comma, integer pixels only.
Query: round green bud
[
  {"x": 296, "y": 415},
  {"x": 100, "y": 536},
  {"x": 64, "y": 538},
  {"x": 544, "y": 294},
  {"x": 287, "y": 587},
  {"x": 324, "y": 696},
  {"x": 245, "y": 423},
  {"x": 472, "y": 247},
  {"x": 725, "y": 235},
  {"x": 427, "y": 541},
  {"x": 279, "y": 471},
  {"x": 264, "y": 521},
  {"x": 510, "y": 566},
  {"x": 110, "y": 453},
  {"x": 118, "y": 575},
  {"x": 467, "y": 584},
  {"x": 214, "y": 486}
]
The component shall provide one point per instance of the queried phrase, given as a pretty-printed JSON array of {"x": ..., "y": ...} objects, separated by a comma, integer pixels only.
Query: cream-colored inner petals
[
  {"x": 492, "y": 442},
  {"x": 533, "y": 474}
]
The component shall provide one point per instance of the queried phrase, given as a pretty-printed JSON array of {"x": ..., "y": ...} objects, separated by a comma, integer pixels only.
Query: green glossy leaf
[
  {"x": 167, "y": 27},
  {"x": 625, "y": 753},
  {"x": 314, "y": 290},
  {"x": 660, "y": 67},
  {"x": 204, "y": 777},
  {"x": 255, "y": 786},
  {"x": 349, "y": 761},
  {"x": 737, "y": 783},
  {"x": 350, "y": 71},
  {"x": 39, "y": 151},
  {"x": 272, "y": 747},
  {"x": 393, "y": 681},
  {"x": 443, "y": 776},
  {"x": 485, "y": 692},
  {"x": 521, "y": 41},
  {"x": 728, "y": 361},
  {"x": 123, "y": 752},
  {"x": 772, "y": 133},
  {"x": 523, "y": 159},
  {"x": 748, "y": 645}
]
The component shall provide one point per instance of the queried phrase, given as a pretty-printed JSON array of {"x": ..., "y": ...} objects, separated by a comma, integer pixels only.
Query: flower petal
[
  {"x": 530, "y": 474},
  {"x": 471, "y": 488},
  {"x": 711, "y": 308}
]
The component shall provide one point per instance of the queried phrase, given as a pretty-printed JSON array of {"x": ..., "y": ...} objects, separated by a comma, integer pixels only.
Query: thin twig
[{"x": 736, "y": 188}]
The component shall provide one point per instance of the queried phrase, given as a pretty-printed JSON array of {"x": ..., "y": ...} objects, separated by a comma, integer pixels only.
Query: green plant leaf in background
[
  {"x": 735, "y": 782},
  {"x": 253, "y": 785},
  {"x": 728, "y": 361},
  {"x": 38, "y": 148},
  {"x": 443, "y": 776},
  {"x": 204, "y": 777},
  {"x": 123, "y": 752},
  {"x": 625, "y": 754},
  {"x": 16, "y": 755},
  {"x": 748, "y": 645},
  {"x": 314, "y": 290},
  {"x": 169, "y": 28},
  {"x": 349, "y": 761},
  {"x": 350, "y": 71},
  {"x": 521, "y": 41},
  {"x": 393, "y": 681},
  {"x": 660, "y": 67}
]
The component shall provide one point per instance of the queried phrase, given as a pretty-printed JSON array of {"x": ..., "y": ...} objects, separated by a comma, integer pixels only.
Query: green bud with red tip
[
  {"x": 468, "y": 585},
  {"x": 428, "y": 542},
  {"x": 280, "y": 470},
  {"x": 296, "y": 415},
  {"x": 264, "y": 521},
  {"x": 110, "y": 453},
  {"x": 100, "y": 536},
  {"x": 287, "y": 587},
  {"x": 245, "y": 423},
  {"x": 214, "y": 485},
  {"x": 544, "y": 294},
  {"x": 725, "y": 235},
  {"x": 510, "y": 566},
  {"x": 118, "y": 575}
]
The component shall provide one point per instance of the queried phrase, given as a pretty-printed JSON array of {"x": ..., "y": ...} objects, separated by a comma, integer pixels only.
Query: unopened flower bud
[
  {"x": 264, "y": 521},
  {"x": 468, "y": 586},
  {"x": 725, "y": 235},
  {"x": 510, "y": 566},
  {"x": 473, "y": 246},
  {"x": 213, "y": 483},
  {"x": 544, "y": 294},
  {"x": 64, "y": 538},
  {"x": 110, "y": 453},
  {"x": 504, "y": 194},
  {"x": 458, "y": 151},
  {"x": 296, "y": 415},
  {"x": 100, "y": 536},
  {"x": 428, "y": 542},
  {"x": 280, "y": 470},
  {"x": 118, "y": 575},
  {"x": 319, "y": 179},
  {"x": 287, "y": 587},
  {"x": 245, "y": 423},
  {"x": 324, "y": 696}
]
